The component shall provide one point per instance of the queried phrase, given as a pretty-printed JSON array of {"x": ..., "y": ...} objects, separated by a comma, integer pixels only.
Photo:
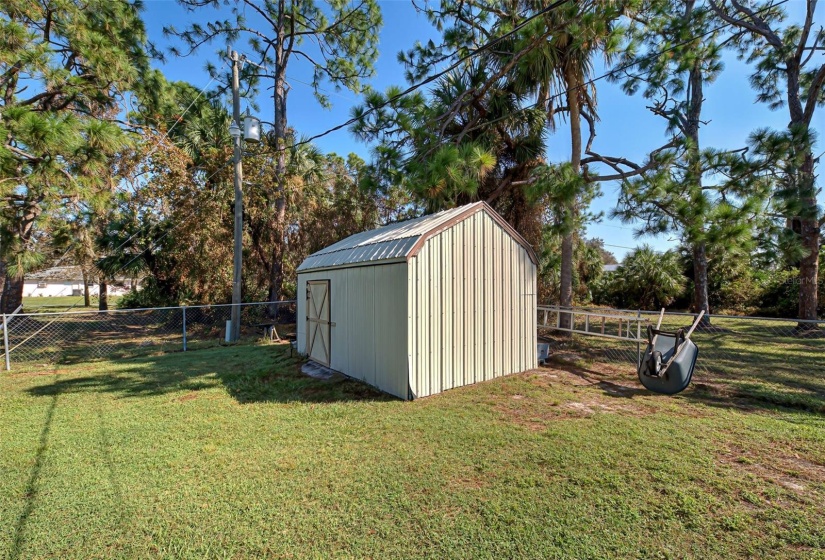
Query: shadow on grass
[
  {"x": 33, "y": 483},
  {"x": 599, "y": 379},
  {"x": 734, "y": 370},
  {"x": 742, "y": 390},
  {"x": 253, "y": 373}
]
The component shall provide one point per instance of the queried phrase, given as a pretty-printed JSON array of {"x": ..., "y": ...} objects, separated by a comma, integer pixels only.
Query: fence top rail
[
  {"x": 113, "y": 311},
  {"x": 7, "y": 316},
  {"x": 612, "y": 314},
  {"x": 615, "y": 312}
]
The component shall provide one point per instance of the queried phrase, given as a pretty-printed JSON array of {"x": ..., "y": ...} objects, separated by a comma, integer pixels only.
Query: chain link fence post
[
  {"x": 638, "y": 339},
  {"x": 76, "y": 336},
  {"x": 6, "y": 341}
]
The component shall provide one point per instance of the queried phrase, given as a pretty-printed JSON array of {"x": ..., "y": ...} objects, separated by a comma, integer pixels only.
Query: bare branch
[
  {"x": 810, "y": 6},
  {"x": 813, "y": 93},
  {"x": 616, "y": 162},
  {"x": 756, "y": 25}
]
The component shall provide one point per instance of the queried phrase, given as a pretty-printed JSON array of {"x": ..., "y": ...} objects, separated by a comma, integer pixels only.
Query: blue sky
[{"x": 626, "y": 128}]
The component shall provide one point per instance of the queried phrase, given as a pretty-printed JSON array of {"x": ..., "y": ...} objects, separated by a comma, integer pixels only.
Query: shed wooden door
[{"x": 318, "y": 323}]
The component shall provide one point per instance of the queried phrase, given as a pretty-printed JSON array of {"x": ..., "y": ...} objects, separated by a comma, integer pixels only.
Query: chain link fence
[
  {"x": 603, "y": 335},
  {"x": 737, "y": 351},
  {"x": 734, "y": 350},
  {"x": 77, "y": 336}
]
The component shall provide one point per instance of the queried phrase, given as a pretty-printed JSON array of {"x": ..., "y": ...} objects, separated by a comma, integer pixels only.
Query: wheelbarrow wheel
[{"x": 654, "y": 364}]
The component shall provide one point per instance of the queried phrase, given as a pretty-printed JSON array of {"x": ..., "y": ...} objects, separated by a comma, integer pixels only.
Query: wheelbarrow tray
[{"x": 678, "y": 375}]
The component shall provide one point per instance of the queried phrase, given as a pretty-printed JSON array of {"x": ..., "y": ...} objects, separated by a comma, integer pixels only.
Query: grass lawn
[
  {"x": 61, "y": 303},
  {"x": 231, "y": 452},
  {"x": 761, "y": 359}
]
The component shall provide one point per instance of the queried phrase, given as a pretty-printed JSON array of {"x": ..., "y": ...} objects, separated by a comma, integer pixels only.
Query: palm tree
[
  {"x": 562, "y": 67},
  {"x": 648, "y": 279},
  {"x": 75, "y": 239}
]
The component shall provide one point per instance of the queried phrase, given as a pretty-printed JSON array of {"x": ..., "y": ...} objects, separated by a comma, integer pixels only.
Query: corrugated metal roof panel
[{"x": 393, "y": 241}]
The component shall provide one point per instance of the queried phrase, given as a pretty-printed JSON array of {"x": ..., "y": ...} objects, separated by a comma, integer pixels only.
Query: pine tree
[
  {"x": 64, "y": 68},
  {"x": 677, "y": 196},
  {"x": 788, "y": 73},
  {"x": 338, "y": 43},
  {"x": 545, "y": 52},
  {"x": 443, "y": 157}
]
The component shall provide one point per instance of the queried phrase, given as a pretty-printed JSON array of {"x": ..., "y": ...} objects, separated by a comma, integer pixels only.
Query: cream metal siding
[
  {"x": 471, "y": 307},
  {"x": 368, "y": 305},
  {"x": 427, "y": 305}
]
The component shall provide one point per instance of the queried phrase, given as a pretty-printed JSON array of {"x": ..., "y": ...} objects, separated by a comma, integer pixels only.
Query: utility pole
[{"x": 238, "y": 254}]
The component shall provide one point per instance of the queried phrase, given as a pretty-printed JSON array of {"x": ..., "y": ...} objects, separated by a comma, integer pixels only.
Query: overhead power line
[
  {"x": 165, "y": 136},
  {"x": 180, "y": 222},
  {"x": 409, "y": 90},
  {"x": 437, "y": 75},
  {"x": 609, "y": 73},
  {"x": 428, "y": 80},
  {"x": 536, "y": 104},
  {"x": 442, "y": 73},
  {"x": 180, "y": 118},
  {"x": 481, "y": 49},
  {"x": 156, "y": 243},
  {"x": 153, "y": 150}
]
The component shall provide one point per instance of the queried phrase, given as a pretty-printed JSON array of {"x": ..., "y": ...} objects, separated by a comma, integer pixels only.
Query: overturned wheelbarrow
[{"x": 668, "y": 362}]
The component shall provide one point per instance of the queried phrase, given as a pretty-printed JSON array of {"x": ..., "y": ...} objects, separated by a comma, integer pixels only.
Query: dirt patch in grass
[
  {"x": 536, "y": 418},
  {"x": 780, "y": 475},
  {"x": 471, "y": 482},
  {"x": 779, "y": 466},
  {"x": 563, "y": 391}
]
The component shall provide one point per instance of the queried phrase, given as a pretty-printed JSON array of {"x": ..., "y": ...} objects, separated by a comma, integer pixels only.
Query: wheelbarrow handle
[
  {"x": 661, "y": 316},
  {"x": 695, "y": 324}
]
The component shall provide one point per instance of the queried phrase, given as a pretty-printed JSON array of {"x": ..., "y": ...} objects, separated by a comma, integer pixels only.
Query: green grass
[
  {"x": 231, "y": 452},
  {"x": 84, "y": 336},
  {"x": 761, "y": 359},
  {"x": 61, "y": 303}
]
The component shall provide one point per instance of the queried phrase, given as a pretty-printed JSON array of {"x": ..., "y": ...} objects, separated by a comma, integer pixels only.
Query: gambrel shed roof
[{"x": 400, "y": 241}]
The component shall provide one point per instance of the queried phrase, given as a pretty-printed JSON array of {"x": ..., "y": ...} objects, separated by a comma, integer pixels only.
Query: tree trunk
[
  {"x": 810, "y": 233},
  {"x": 2, "y": 281},
  {"x": 700, "y": 282},
  {"x": 566, "y": 288},
  {"x": 799, "y": 128},
  {"x": 694, "y": 178},
  {"x": 566, "y": 273},
  {"x": 797, "y": 83},
  {"x": 12, "y": 297},
  {"x": 87, "y": 300},
  {"x": 276, "y": 270},
  {"x": 103, "y": 295},
  {"x": 12, "y": 294}
]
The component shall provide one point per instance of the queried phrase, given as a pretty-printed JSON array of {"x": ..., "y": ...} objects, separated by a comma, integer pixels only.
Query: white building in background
[
  {"x": 422, "y": 306},
  {"x": 68, "y": 281}
]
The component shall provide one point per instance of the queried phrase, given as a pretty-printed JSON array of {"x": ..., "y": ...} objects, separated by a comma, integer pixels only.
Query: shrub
[
  {"x": 645, "y": 280},
  {"x": 147, "y": 296}
]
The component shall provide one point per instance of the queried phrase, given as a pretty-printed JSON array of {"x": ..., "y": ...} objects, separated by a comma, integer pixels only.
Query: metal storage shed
[{"x": 422, "y": 306}]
